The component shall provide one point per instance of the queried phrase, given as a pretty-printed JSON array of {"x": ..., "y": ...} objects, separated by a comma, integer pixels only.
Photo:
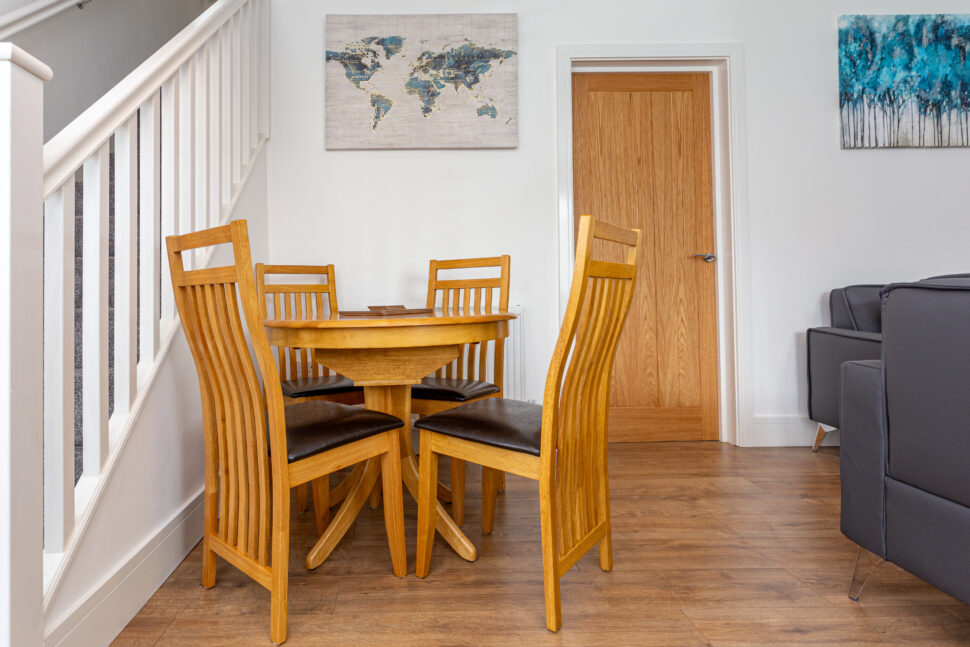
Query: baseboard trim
[
  {"x": 782, "y": 431},
  {"x": 101, "y": 615}
]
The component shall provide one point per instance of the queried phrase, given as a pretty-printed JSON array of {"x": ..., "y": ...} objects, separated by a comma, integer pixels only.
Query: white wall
[
  {"x": 93, "y": 48},
  {"x": 10, "y": 5},
  {"x": 818, "y": 217},
  {"x": 149, "y": 516}
]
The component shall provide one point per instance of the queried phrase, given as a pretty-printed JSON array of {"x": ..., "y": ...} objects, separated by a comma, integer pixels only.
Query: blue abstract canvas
[{"x": 904, "y": 80}]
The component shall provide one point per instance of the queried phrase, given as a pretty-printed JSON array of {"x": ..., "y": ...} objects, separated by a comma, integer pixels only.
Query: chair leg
[
  {"x": 606, "y": 543},
  {"x": 210, "y": 522},
  {"x": 458, "y": 490},
  {"x": 427, "y": 504},
  {"x": 501, "y": 481},
  {"x": 489, "y": 494},
  {"x": 321, "y": 502},
  {"x": 301, "y": 498},
  {"x": 280, "y": 567},
  {"x": 394, "y": 504},
  {"x": 550, "y": 560},
  {"x": 208, "y": 565},
  {"x": 375, "y": 496},
  {"x": 866, "y": 564},
  {"x": 819, "y": 437},
  {"x": 606, "y": 549}
]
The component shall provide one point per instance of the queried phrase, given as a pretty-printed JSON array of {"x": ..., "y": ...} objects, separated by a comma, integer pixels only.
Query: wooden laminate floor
[{"x": 714, "y": 545}]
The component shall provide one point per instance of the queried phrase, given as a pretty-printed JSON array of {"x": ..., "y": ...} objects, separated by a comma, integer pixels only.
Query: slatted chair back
[
  {"x": 312, "y": 298},
  {"x": 245, "y": 481},
  {"x": 463, "y": 296},
  {"x": 576, "y": 402}
]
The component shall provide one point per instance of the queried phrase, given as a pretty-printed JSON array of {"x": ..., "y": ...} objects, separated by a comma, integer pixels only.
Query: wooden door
[{"x": 642, "y": 158}]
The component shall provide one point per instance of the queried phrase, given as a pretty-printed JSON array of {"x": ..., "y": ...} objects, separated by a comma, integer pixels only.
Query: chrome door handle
[{"x": 708, "y": 258}]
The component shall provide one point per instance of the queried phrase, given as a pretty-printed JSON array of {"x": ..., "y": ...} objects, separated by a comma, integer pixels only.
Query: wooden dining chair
[
  {"x": 562, "y": 443},
  {"x": 310, "y": 292},
  {"x": 466, "y": 379},
  {"x": 255, "y": 451},
  {"x": 310, "y": 298}
]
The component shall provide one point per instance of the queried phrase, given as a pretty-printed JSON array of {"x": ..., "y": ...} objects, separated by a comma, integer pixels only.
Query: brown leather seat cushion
[
  {"x": 451, "y": 389},
  {"x": 509, "y": 424},
  {"x": 305, "y": 387},
  {"x": 316, "y": 426}
]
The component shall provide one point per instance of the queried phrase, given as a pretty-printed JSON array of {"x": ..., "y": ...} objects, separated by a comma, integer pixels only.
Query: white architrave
[{"x": 724, "y": 61}]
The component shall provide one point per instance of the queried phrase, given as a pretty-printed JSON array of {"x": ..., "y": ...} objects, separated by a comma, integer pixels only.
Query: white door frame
[{"x": 724, "y": 62}]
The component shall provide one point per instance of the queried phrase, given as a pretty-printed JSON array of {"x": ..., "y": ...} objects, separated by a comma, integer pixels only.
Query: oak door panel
[{"x": 642, "y": 158}]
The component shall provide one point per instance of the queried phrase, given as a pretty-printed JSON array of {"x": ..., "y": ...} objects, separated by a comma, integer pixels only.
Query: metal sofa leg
[
  {"x": 866, "y": 564},
  {"x": 819, "y": 437}
]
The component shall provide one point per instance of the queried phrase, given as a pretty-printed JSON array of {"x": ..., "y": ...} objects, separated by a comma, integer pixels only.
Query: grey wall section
[{"x": 93, "y": 48}]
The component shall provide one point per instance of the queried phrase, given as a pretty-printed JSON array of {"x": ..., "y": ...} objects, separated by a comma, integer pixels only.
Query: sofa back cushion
[
  {"x": 857, "y": 307},
  {"x": 926, "y": 358}
]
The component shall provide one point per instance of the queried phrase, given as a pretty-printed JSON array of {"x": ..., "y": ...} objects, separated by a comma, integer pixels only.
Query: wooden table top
[
  {"x": 439, "y": 317},
  {"x": 407, "y": 331}
]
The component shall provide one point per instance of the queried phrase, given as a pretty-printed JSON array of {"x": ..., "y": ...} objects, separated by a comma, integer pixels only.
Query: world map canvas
[
  {"x": 904, "y": 80},
  {"x": 421, "y": 81}
]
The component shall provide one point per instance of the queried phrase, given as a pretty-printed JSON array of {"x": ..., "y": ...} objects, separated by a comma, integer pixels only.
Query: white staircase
[{"x": 185, "y": 130}]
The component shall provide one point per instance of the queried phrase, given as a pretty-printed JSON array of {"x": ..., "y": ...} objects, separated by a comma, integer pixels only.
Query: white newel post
[{"x": 21, "y": 346}]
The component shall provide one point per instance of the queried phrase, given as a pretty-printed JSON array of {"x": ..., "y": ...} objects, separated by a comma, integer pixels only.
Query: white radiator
[{"x": 514, "y": 385}]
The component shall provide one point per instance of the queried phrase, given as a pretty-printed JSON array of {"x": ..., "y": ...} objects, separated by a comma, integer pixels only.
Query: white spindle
[
  {"x": 149, "y": 215},
  {"x": 236, "y": 103},
  {"x": 185, "y": 161},
  {"x": 264, "y": 58},
  {"x": 170, "y": 185},
  {"x": 253, "y": 59},
  {"x": 225, "y": 119},
  {"x": 126, "y": 267},
  {"x": 214, "y": 49},
  {"x": 94, "y": 313},
  {"x": 246, "y": 44},
  {"x": 201, "y": 122},
  {"x": 59, "y": 368}
]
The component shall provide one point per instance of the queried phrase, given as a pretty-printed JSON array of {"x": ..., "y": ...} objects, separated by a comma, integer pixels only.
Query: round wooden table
[{"x": 386, "y": 355}]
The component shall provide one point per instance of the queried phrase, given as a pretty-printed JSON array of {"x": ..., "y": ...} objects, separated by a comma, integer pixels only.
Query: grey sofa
[
  {"x": 855, "y": 334},
  {"x": 905, "y": 457}
]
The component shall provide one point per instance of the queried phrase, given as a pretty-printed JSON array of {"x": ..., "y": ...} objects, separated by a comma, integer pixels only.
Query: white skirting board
[
  {"x": 783, "y": 431},
  {"x": 114, "y": 601}
]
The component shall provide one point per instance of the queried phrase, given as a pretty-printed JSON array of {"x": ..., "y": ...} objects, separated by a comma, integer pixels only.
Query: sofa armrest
[
  {"x": 828, "y": 348},
  {"x": 863, "y": 455}
]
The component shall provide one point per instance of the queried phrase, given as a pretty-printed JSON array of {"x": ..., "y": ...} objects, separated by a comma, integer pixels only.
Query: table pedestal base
[{"x": 396, "y": 400}]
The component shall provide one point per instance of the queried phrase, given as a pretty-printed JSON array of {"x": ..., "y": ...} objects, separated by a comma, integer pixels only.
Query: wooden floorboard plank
[{"x": 714, "y": 546}]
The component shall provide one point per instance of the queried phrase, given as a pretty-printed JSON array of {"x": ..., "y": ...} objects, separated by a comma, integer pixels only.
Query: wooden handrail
[
  {"x": 68, "y": 149},
  {"x": 10, "y": 52}
]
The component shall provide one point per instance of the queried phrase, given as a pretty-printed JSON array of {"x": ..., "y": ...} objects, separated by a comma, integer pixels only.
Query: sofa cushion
[
  {"x": 857, "y": 307},
  {"x": 927, "y": 373}
]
